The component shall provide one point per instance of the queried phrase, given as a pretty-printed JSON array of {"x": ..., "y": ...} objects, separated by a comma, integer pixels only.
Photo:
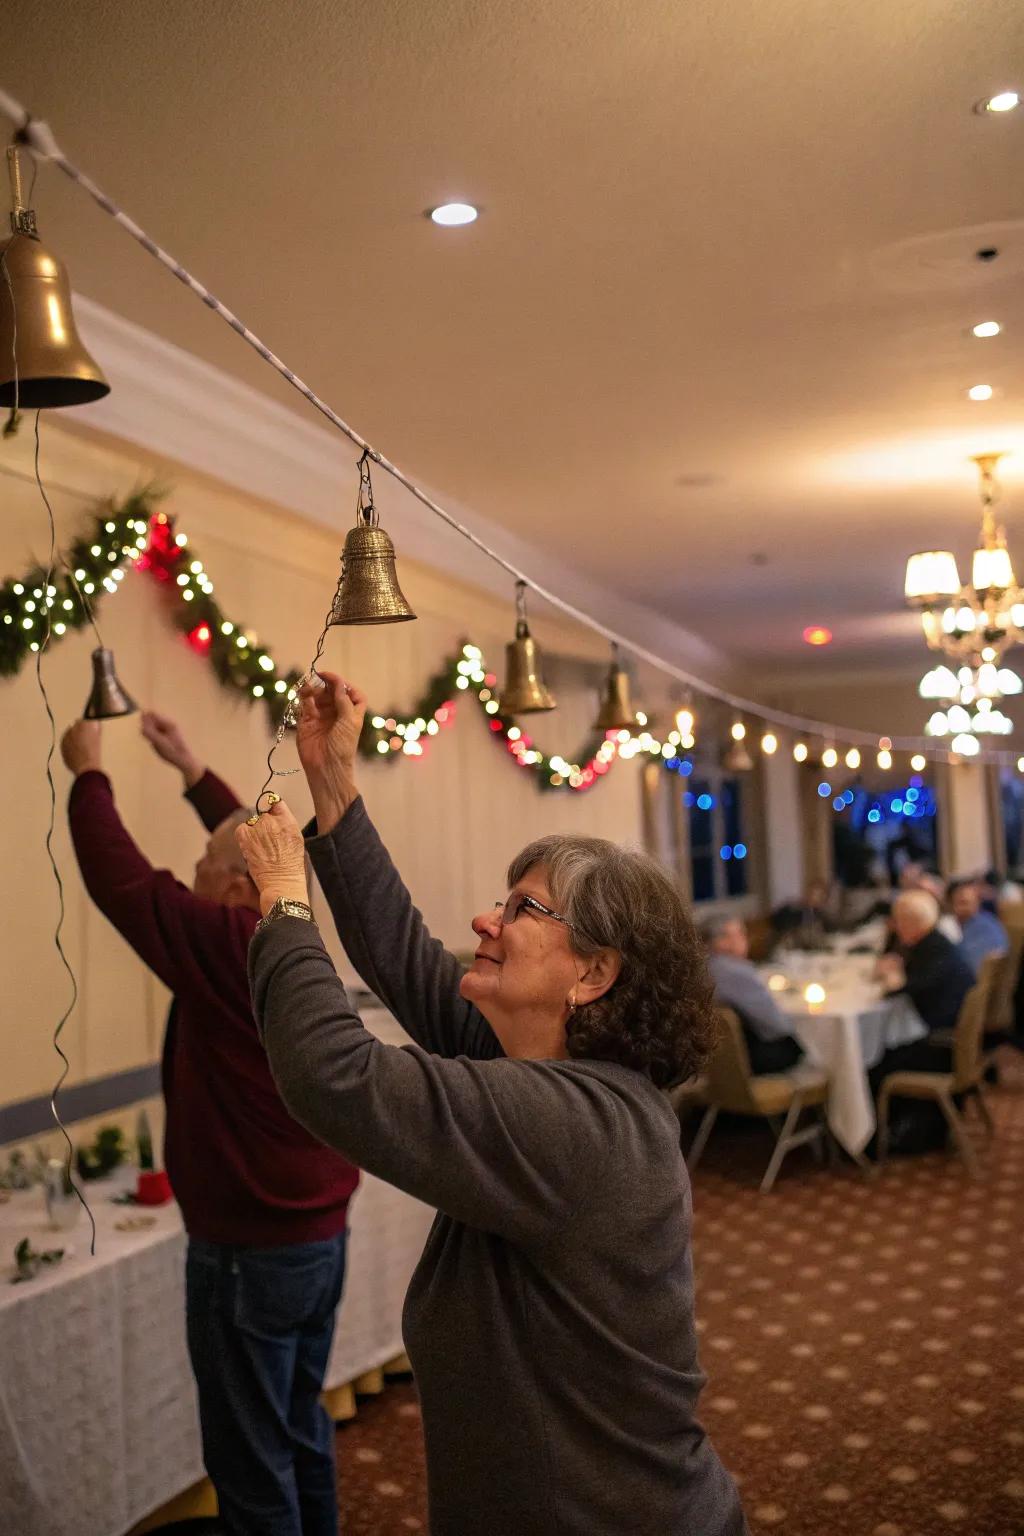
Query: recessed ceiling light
[
  {"x": 451, "y": 214},
  {"x": 987, "y": 328},
  {"x": 980, "y": 392},
  {"x": 1004, "y": 101},
  {"x": 817, "y": 634}
]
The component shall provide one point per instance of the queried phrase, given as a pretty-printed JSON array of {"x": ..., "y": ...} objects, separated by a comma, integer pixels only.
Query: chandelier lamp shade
[{"x": 974, "y": 623}]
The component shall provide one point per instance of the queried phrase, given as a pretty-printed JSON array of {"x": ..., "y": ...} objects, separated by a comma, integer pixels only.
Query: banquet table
[
  {"x": 98, "y": 1419},
  {"x": 846, "y": 1034}
]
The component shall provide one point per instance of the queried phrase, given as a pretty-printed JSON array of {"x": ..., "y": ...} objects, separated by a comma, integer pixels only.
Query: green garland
[
  {"x": 391, "y": 736},
  {"x": 96, "y": 559},
  {"x": 137, "y": 533}
]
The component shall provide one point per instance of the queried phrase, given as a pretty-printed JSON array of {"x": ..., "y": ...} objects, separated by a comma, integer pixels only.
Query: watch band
[{"x": 284, "y": 907}]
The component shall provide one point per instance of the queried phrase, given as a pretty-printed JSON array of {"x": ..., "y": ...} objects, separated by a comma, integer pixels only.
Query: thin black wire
[
  {"x": 369, "y": 511},
  {"x": 58, "y": 942}
]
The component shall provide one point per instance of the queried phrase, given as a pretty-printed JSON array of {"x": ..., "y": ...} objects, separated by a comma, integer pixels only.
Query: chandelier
[{"x": 973, "y": 624}]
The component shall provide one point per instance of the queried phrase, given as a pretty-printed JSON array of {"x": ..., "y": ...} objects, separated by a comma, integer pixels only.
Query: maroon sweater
[{"x": 243, "y": 1171}]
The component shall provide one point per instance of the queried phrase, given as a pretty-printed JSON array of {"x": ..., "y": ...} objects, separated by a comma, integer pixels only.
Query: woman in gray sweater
[{"x": 550, "y": 1320}]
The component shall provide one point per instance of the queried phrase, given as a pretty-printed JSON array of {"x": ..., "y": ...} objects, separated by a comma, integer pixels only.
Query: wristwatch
[{"x": 283, "y": 907}]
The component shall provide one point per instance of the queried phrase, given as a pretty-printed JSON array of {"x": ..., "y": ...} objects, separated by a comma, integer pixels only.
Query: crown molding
[{"x": 174, "y": 404}]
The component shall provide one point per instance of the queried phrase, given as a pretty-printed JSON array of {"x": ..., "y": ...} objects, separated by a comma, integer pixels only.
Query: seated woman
[
  {"x": 550, "y": 1320},
  {"x": 771, "y": 1046}
]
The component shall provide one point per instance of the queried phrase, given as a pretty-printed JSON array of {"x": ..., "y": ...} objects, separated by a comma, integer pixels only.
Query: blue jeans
[{"x": 260, "y": 1322}]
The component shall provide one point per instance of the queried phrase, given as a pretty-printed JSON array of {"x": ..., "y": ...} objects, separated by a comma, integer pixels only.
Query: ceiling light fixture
[
  {"x": 1003, "y": 101},
  {"x": 986, "y": 328},
  {"x": 975, "y": 623},
  {"x": 817, "y": 634},
  {"x": 452, "y": 214},
  {"x": 980, "y": 392}
]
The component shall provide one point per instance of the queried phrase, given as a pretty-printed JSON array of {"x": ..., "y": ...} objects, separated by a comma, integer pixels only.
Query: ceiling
[{"x": 709, "y": 341}]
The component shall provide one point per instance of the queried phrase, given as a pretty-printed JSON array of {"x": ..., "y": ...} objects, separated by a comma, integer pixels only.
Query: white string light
[{"x": 39, "y": 138}]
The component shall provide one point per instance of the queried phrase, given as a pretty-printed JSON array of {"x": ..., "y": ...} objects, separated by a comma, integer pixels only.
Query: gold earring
[{"x": 571, "y": 1000}]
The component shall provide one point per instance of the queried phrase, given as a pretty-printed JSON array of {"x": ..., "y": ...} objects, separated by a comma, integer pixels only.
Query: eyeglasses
[{"x": 519, "y": 902}]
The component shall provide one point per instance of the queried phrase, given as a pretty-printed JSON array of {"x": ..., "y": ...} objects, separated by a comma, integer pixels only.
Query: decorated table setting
[
  {"x": 842, "y": 1017},
  {"x": 98, "y": 1416}
]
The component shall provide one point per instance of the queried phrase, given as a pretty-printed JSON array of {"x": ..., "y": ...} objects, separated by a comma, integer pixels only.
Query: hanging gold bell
[
  {"x": 525, "y": 692},
  {"x": 39, "y": 342},
  {"x": 736, "y": 758},
  {"x": 107, "y": 699},
  {"x": 616, "y": 712},
  {"x": 369, "y": 592}
]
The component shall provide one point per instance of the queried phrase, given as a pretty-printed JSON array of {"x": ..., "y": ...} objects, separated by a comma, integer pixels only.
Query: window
[{"x": 714, "y": 805}]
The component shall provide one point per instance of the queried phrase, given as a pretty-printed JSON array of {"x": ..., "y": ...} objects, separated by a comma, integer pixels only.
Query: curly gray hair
[{"x": 658, "y": 1015}]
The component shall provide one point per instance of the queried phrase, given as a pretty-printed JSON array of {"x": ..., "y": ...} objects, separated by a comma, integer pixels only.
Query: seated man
[
  {"x": 936, "y": 978},
  {"x": 770, "y": 1045},
  {"x": 981, "y": 931}
]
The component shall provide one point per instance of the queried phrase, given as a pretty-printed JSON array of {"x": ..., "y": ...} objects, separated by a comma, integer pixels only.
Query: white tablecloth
[
  {"x": 98, "y": 1421},
  {"x": 845, "y": 1035}
]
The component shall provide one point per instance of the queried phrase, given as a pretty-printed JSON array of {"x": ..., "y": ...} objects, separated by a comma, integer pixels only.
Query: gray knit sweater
[{"x": 550, "y": 1320}]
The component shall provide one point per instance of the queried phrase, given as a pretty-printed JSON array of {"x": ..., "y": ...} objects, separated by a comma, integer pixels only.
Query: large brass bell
[
  {"x": 525, "y": 691},
  {"x": 39, "y": 342},
  {"x": 107, "y": 698},
  {"x": 616, "y": 712},
  {"x": 368, "y": 592}
]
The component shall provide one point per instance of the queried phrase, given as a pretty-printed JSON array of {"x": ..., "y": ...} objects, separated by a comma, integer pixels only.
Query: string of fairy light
[
  {"x": 37, "y": 135},
  {"x": 140, "y": 536}
]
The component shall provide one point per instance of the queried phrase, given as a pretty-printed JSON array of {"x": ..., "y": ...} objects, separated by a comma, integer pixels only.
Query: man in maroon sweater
[{"x": 263, "y": 1203}]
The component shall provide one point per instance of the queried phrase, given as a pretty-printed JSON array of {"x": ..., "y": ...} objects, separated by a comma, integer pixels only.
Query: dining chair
[
  {"x": 964, "y": 1081},
  {"x": 779, "y": 1099}
]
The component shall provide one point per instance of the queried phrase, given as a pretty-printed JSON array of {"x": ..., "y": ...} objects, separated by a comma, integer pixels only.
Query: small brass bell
[
  {"x": 525, "y": 691},
  {"x": 37, "y": 323},
  {"x": 736, "y": 758},
  {"x": 107, "y": 699},
  {"x": 368, "y": 592},
  {"x": 616, "y": 712}
]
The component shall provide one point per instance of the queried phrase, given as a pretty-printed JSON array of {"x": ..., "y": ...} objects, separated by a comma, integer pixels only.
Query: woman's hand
[
  {"x": 329, "y": 722},
  {"x": 276, "y": 856}
]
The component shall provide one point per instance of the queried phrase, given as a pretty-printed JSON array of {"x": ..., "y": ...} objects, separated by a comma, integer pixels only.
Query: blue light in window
[
  {"x": 824, "y": 790},
  {"x": 672, "y": 762},
  {"x": 874, "y": 817},
  {"x": 917, "y": 781},
  {"x": 704, "y": 802},
  {"x": 896, "y": 806},
  {"x": 689, "y": 798},
  {"x": 848, "y": 796},
  {"x": 839, "y": 804},
  {"x": 739, "y": 850},
  {"x": 725, "y": 852},
  {"x": 685, "y": 767}
]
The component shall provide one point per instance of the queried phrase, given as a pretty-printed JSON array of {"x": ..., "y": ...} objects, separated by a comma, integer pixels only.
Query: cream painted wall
[{"x": 453, "y": 819}]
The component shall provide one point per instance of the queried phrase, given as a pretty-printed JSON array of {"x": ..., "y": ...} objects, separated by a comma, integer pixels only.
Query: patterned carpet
[{"x": 864, "y": 1343}]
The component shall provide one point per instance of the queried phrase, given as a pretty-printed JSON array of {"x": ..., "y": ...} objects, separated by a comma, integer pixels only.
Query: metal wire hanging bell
[
  {"x": 43, "y": 361},
  {"x": 368, "y": 592},
  {"x": 525, "y": 691},
  {"x": 616, "y": 712},
  {"x": 107, "y": 698}
]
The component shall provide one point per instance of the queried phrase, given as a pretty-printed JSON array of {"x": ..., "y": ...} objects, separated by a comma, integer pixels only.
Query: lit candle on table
[
  {"x": 777, "y": 983},
  {"x": 814, "y": 996}
]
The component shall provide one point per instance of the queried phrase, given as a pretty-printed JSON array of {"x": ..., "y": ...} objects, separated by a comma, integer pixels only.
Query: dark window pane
[{"x": 703, "y": 877}]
